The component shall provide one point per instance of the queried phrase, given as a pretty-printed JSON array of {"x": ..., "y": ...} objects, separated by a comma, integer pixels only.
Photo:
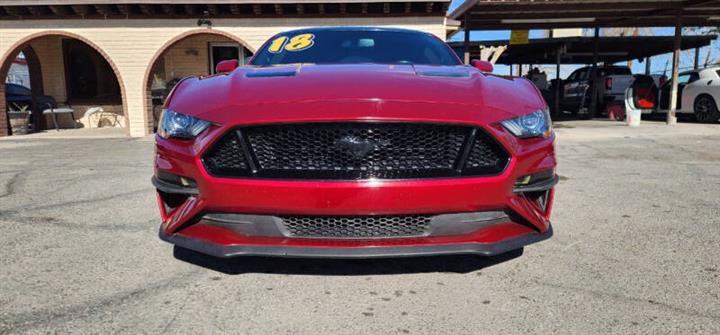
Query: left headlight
[
  {"x": 178, "y": 125},
  {"x": 535, "y": 124}
]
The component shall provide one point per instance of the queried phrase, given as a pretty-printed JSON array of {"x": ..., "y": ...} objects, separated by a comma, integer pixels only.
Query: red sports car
[{"x": 354, "y": 143}]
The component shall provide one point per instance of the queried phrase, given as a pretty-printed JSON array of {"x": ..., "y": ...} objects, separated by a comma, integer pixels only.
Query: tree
[{"x": 709, "y": 58}]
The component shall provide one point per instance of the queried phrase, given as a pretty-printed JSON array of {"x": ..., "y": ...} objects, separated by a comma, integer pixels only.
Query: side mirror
[
  {"x": 483, "y": 66},
  {"x": 226, "y": 66}
]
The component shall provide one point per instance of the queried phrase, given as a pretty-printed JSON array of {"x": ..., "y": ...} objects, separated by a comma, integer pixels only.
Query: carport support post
[
  {"x": 648, "y": 64},
  {"x": 671, "y": 117},
  {"x": 558, "y": 60},
  {"x": 593, "y": 98},
  {"x": 697, "y": 59},
  {"x": 466, "y": 43}
]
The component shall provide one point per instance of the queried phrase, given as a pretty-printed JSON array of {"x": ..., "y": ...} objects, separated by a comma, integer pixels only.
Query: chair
[
  {"x": 97, "y": 117},
  {"x": 48, "y": 105}
]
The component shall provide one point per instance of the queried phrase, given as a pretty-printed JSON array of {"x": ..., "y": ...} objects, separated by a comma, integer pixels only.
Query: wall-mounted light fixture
[{"x": 204, "y": 23}]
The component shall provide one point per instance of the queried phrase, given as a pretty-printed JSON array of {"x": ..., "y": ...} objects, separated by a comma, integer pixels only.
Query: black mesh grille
[
  {"x": 227, "y": 157},
  {"x": 359, "y": 150},
  {"x": 356, "y": 226},
  {"x": 486, "y": 156},
  {"x": 347, "y": 151}
]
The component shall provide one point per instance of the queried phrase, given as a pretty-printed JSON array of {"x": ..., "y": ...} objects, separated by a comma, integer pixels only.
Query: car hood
[{"x": 367, "y": 91}]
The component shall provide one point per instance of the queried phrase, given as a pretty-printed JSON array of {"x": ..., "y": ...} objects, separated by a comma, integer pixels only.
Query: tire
[
  {"x": 585, "y": 115},
  {"x": 705, "y": 109}
]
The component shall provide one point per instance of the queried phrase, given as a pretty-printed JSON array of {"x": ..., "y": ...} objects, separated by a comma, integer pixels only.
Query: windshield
[{"x": 355, "y": 46}]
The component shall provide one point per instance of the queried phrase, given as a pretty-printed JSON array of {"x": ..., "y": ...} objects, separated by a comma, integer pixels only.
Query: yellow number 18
[
  {"x": 296, "y": 43},
  {"x": 277, "y": 44},
  {"x": 300, "y": 42}
]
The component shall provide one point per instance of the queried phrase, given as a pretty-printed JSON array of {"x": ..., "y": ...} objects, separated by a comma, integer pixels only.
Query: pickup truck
[{"x": 612, "y": 82}]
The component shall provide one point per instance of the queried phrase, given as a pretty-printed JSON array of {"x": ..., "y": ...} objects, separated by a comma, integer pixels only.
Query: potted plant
[{"x": 19, "y": 116}]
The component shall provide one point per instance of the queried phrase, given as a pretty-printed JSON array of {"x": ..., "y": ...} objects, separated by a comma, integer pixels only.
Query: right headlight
[
  {"x": 535, "y": 124},
  {"x": 178, "y": 125}
]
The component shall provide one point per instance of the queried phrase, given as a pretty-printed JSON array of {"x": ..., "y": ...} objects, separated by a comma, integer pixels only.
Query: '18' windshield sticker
[{"x": 296, "y": 43}]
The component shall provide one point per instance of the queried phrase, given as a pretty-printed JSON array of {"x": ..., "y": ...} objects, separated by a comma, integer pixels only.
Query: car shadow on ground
[{"x": 344, "y": 267}]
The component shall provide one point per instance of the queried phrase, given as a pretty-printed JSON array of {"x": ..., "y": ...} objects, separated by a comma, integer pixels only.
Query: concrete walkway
[
  {"x": 606, "y": 129},
  {"x": 82, "y": 133}
]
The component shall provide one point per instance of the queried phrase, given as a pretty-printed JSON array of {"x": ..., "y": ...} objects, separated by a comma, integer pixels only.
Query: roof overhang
[
  {"x": 451, "y": 26},
  {"x": 579, "y": 50},
  {"x": 547, "y": 14},
  {"x": 170, "y": 9}
]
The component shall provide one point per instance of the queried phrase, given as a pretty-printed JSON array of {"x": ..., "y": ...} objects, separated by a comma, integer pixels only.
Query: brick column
[{"x": 3, "y": 114}]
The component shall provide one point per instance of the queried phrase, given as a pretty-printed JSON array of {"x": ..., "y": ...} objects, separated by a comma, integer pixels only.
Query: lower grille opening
[
  {"x": 519, "y": 219},
  {"x": 539, "y": 198},
  {"x": 172, "y": 200},
  {"x": 357, "y": 226}
]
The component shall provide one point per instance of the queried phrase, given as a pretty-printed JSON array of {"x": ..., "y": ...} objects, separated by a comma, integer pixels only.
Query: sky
[{"x": 659, "y": 64}]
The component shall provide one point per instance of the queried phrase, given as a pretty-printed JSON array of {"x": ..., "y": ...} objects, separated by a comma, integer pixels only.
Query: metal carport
[{"x": 549, "y": 14}]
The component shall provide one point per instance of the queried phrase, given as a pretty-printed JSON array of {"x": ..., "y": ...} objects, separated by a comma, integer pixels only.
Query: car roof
[{"x": 354, "y": 28}]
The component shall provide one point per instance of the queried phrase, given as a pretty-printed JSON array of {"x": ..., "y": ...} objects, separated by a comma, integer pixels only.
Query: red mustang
[{"x": 354, "y": 142}]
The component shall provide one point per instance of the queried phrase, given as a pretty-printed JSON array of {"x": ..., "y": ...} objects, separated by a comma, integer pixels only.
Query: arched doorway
[
  {"x": 23, "y": 84},
  {"x": 69, "y": 69},
  {"x": 192, "y": 53}
]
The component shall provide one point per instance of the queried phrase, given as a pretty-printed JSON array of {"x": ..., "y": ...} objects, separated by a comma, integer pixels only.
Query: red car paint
[{"x": 356, "y": 93}]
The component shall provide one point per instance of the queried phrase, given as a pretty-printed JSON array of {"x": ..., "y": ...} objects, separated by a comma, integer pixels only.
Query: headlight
[
  {"x": 535, "y": 124},
  {"x": 174, "y": 124}
]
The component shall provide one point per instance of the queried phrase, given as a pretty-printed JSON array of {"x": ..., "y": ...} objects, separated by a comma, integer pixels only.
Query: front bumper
[{"x": 527, "y": 219}]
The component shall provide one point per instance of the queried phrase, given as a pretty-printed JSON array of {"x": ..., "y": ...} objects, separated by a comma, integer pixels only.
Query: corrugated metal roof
[{"x": 544, "y": 14}]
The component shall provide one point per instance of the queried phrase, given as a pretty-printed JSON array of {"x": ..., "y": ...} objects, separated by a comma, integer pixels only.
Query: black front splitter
[{"x": 482, "y": 249}]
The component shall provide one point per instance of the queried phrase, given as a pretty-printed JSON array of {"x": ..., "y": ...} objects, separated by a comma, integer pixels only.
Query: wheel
[
  {"x": 583, "y": 113},
  {"x": 705, "y": 109}
]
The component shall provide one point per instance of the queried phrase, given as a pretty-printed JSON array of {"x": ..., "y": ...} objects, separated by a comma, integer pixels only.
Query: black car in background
[{"x": 17, "y": 95}]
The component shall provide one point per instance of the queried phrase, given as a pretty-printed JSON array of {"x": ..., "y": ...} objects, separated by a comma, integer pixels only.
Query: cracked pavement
[{"x": 636, "y": 218}]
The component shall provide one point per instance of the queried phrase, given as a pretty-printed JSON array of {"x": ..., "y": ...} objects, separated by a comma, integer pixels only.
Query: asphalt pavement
[{"x": 636, "y": 250}]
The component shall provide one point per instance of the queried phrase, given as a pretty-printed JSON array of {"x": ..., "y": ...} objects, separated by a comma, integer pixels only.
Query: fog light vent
[
  {"x": 536, "y": 182},
  {"x": 176, "y": 180}
]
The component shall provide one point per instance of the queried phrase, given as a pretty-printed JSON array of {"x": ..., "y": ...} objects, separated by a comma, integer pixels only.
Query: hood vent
[
  {"x": 271, "y": 73},
  {"x": 450, "y": 74}
]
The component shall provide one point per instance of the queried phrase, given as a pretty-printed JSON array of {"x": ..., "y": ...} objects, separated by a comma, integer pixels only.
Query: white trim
[
  {"x": 550, "y": 20},
  {"x": 95, "y": 2}
]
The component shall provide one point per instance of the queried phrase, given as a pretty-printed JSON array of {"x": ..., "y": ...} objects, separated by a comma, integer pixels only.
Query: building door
[{"x": 224, "y": 51}]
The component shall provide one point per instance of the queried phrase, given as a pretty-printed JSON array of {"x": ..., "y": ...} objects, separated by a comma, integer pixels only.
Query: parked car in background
[
  {"x": 17, "y": 95},
  {"x": 698, "y": 94},
  {"x": 577, "y": 90}
]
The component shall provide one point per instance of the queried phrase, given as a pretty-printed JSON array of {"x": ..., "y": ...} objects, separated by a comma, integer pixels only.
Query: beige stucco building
[{"x": 123, "y": 55}]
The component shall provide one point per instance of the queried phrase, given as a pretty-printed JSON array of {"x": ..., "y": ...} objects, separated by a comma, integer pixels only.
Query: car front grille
[
  {"x": 356, "y": 226},
  {"x": 227, "y": 157},
  {"x": 351, "y": 151}
]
